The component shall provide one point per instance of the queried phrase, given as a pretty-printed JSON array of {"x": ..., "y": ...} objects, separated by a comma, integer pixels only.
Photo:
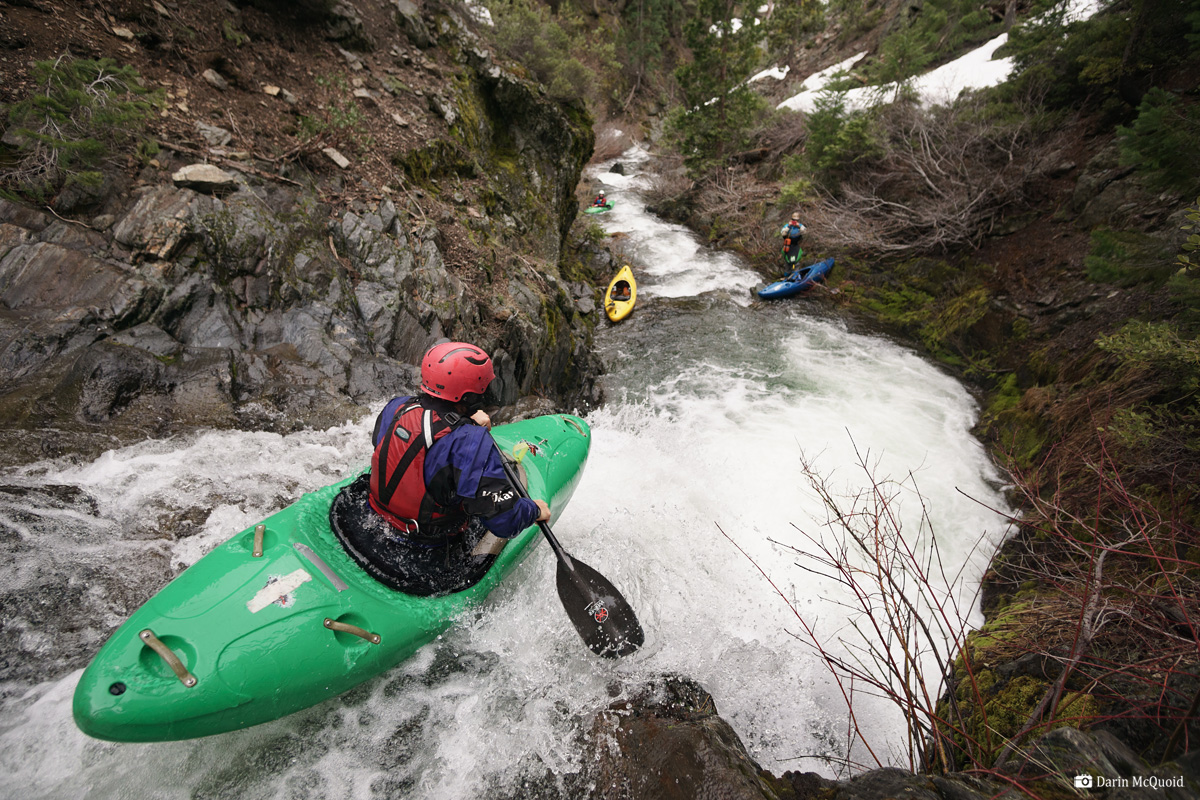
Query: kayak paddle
[{"x": 597, "y": 610}]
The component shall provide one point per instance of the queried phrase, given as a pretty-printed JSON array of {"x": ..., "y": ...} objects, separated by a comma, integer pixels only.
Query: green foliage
[
  {"x": 797, "y": 192},
  {"x": 550, "y": 48},
  {"x": 1164, "y": 141},
  {"x": 1160, "y": 346},
  {"x": 1184, "y": 285},
  {"x": 790, "y": 22},
  {"x": 1127, "y": 258},
  {"x": 1100, "y": 62},
  {"x": 903, "y": 55},
  {"x": 838, "y": 138},
  {"x": 232, "y": 34},
  {"x": 340, "y": 122},
  {"x": 646, "y": 32},
  {"x": 80, "y": 114},
  {"x": 1163, "y": 356},
  {"x": 856, "y": 16},
  {"x": 1192, "y": 244},
  {"x": 719, "y": 110}
]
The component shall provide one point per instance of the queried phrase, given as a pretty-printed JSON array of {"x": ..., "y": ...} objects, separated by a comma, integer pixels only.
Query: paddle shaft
[
  {"x": 600, "y": 614},
  {"x": 515, "y": 479}
]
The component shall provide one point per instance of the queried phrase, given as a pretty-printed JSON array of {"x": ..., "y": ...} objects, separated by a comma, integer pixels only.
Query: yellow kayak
[{"x": 621, "y": 295}]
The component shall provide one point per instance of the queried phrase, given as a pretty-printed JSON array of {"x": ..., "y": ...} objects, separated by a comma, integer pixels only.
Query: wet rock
[
  {"x": 214, "y": 79},
  {"x": 107, "y": 378},
  {"x": 48, "y": 276},
  {"x": 344, "y": 24},
  {"x": 206, "y": 179},
  {"x": 668, "y": 743},
  {"x": 336, "y": 157},
  {"x": 160, "y": 221},
  {"x": 216, "y": 137},
  {"x": 526, "y": 408},
  {"x": 374, "y": 379},
  {"x": 408, "y": 17},
  {"x": 889, "y": 782},
  {"x": 23, "y": 216},
  {"x": 151, "y": 338},
  {"x": 1109, "y": 763}
]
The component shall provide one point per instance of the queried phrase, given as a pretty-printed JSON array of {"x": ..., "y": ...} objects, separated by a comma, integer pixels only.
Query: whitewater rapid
[{"x": 713, "y": 402}]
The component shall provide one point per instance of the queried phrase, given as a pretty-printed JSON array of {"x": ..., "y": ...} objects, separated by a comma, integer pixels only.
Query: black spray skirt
[{"x": 396, "y": 562}]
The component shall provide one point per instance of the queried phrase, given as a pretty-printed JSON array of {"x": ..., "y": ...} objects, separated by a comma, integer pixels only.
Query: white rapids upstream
[{"x": 713, "y": 400}]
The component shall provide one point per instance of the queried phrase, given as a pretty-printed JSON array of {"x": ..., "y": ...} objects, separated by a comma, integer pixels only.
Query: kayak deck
[{"x": 279, "y": 617}]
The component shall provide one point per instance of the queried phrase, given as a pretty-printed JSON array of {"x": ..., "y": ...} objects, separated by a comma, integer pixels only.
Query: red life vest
[{"x": 398, "y": 492}]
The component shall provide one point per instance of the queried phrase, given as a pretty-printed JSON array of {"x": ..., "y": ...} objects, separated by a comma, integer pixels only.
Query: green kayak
[
  {"x": 280, "y": 618},
  {"x": 599, "y": 209}
]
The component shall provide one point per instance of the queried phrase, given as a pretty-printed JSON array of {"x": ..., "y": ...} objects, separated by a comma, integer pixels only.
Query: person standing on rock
[
  {"x": 436, "y": 507},
  {"x": 792, "y": 233}
]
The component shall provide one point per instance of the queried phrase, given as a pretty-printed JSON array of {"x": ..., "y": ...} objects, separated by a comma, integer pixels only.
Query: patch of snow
[
  {"x": 975, "y": 70},
  {"x": 774, "y": 72},
  {"x": 818, "y": 80}
]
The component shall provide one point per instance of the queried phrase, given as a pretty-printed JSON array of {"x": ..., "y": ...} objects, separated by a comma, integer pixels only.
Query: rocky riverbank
[{"x": 180, "y": 295}]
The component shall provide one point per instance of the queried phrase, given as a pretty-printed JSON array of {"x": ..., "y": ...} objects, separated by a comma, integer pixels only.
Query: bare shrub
[
  {"x": 611, "y": 141},
  {"x": 783, "y": 133},
  {"x": 941, "y": 179},
  {"x": 1125, "y": 577},
  {"x": 669, "y": 180},
  {"x": 1106, "y": 628},
  {"x": 907, "y": 613},
  {"x": 734, "y": 202}
]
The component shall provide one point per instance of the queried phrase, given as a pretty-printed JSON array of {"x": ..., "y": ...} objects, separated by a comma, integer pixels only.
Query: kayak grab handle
[
  {"x": 573, "y": 424},
  {"x": 155, "y": 644},
  {"x": 259, "y": 530},
  {"x": 334, "y": 625}
]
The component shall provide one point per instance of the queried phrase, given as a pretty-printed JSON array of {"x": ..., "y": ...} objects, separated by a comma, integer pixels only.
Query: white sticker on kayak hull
[{"x": 278, "y": 590}]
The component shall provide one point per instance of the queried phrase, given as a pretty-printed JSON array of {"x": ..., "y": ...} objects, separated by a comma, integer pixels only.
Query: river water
[{"x": 694, "y": 488}]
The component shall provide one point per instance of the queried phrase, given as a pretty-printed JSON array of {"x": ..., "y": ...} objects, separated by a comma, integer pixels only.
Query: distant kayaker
[
  {"x": 792, "y": 233},
  {"x": 438, "y": 483},
  {"x": 600, "y": 200}
]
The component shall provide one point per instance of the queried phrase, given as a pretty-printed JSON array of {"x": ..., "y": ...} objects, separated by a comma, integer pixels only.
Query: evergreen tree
[
  {"x": 789, "y": 22},
  {"x": 718, "y": 106},
  {"x": 647, "y": 27}
]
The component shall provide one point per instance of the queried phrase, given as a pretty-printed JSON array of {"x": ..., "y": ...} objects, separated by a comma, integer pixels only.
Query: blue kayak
[{"x": 798, "y": 281}]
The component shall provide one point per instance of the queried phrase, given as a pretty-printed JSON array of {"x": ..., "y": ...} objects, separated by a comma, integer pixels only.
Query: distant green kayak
[
  {"x": 240, "y": 638},
  {"x": 599, "y": 209}
]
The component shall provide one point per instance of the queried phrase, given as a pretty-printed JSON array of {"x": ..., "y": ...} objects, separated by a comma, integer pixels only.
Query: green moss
[
  {"x": 955, "y": 317},
  {"x": 1005, "y": 397},
  {"x": 436, "y": 160}
]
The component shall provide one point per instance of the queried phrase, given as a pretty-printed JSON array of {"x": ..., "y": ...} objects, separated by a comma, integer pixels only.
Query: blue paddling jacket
[{"x": 461, "y": 470}]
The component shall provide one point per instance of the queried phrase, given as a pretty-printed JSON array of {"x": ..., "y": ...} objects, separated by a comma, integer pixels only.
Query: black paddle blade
[{"x": 598, "y": 611}]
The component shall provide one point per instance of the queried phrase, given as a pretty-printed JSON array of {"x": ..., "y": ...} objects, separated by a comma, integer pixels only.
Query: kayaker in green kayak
[
  {"x": 600, "y": 200},
  {"x": 420, "y": 521}
]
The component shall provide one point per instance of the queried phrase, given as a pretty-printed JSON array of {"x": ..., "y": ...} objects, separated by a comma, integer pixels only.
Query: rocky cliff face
[{"x": 234, "y": 298}]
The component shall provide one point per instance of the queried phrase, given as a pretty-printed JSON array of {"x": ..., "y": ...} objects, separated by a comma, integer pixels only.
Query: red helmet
[{"x": 452, "y": 369}]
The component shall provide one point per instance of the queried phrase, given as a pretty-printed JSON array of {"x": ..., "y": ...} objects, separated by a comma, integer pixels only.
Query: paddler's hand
[
  {"x": 544, "y": 515},
  {"x": 481, "y": 418}
]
